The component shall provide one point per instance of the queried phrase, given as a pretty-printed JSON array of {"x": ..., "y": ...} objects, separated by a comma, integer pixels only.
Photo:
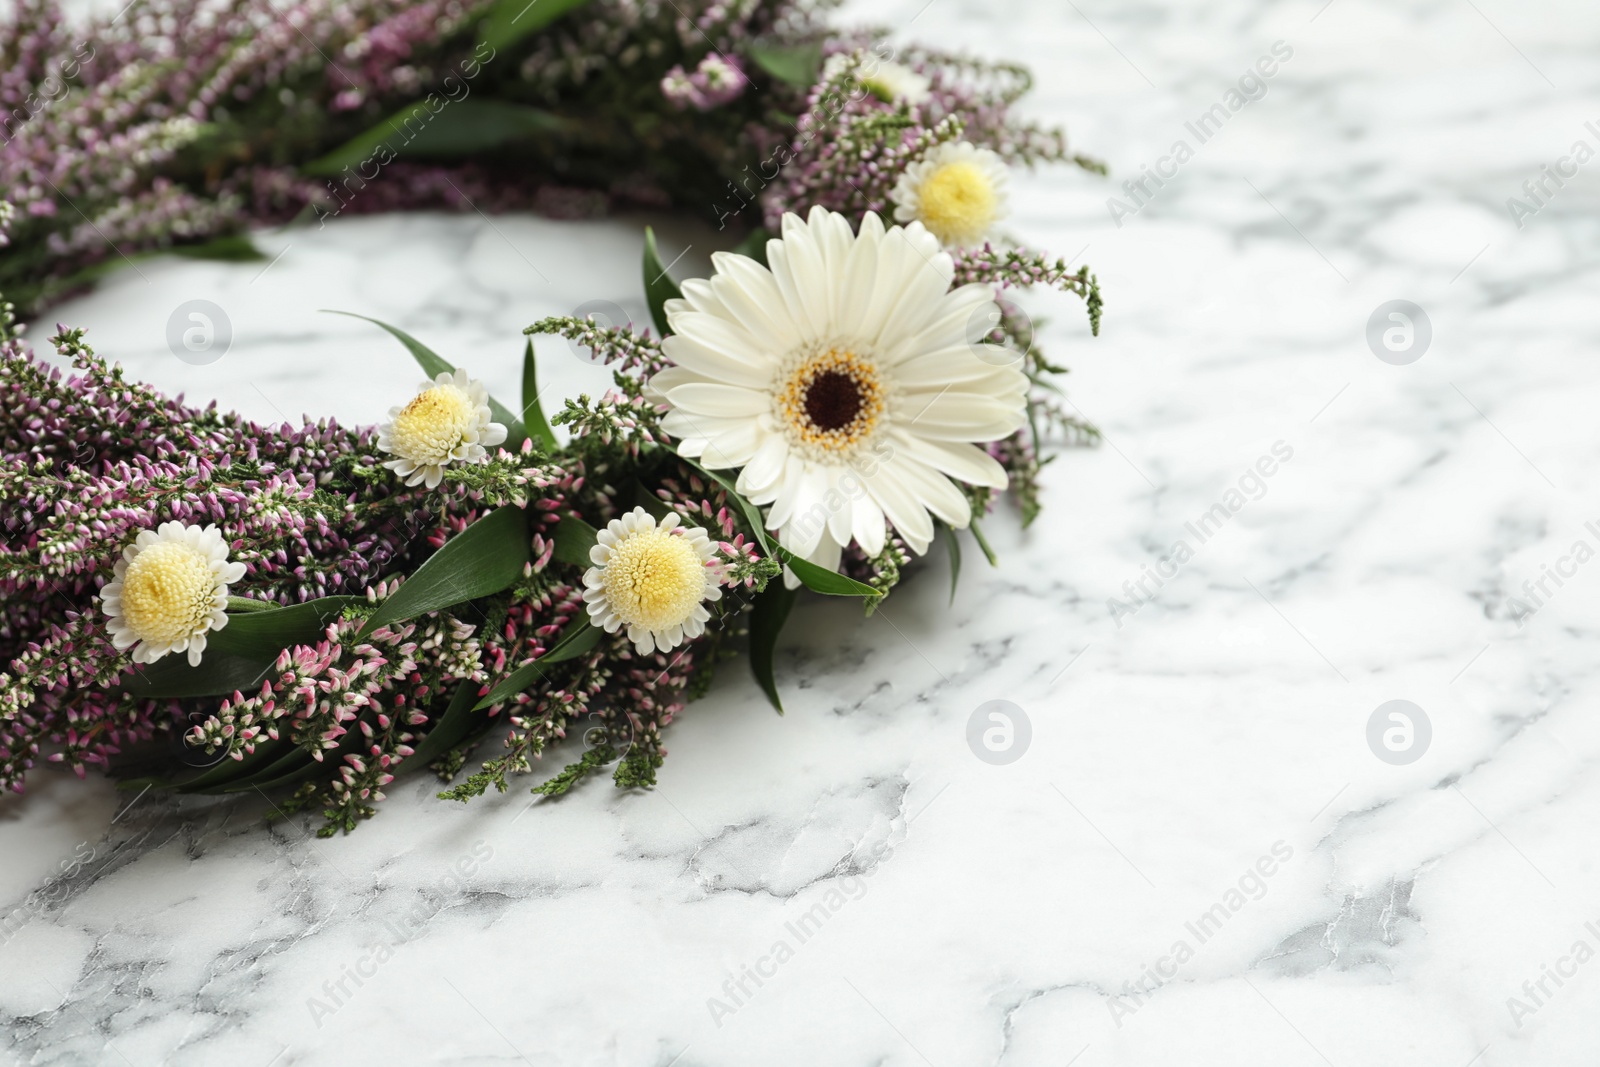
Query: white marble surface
[{"x": 976, "y": 914}]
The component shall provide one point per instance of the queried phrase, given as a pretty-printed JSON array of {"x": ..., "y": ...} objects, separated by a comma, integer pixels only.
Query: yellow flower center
[
  {"x": 429, "y": 428},
  {"x": 654, "y": 579},
  {"x": 168, "y": 592},
  {"x": 957, "y": 202},
  {"x": 831, "y": 401}
]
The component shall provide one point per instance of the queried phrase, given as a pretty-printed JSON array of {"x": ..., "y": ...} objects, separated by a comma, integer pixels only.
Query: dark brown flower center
[{"x": 833, "y": 400}]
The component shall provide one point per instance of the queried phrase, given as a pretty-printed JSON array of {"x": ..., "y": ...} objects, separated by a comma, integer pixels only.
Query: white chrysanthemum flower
[
  {"x": 957, "y": 190},
  {"x": 654, "y": 578},
  {"x": 170, "y": 589},
  {"x": 885, "y": 79},
  {"x": 843, "y": 382},
  {"x": 447, "y": 422}
]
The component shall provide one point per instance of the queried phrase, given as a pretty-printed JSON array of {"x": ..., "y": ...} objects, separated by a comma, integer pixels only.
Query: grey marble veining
[{"x": 1199, "y": 859}]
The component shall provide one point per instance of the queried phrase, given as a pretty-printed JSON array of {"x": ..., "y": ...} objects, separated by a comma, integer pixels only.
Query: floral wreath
[{"x": 210, "y": 605}]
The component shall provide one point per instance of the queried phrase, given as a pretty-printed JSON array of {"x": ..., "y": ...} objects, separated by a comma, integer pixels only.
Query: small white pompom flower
[
  {"x": 958, "y": 191},
  {"x": 893, "y": 82},
  {"x": 170, "y": 589},
  {"x": 447, "y": 422},
  {"x": 885, "y": 79},
  {"x": 654, "y": 578}
]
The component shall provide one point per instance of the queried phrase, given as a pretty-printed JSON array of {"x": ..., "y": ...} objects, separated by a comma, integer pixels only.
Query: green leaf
[
  {"x": 454, "y": 130},
  {"x": 228, "y": 771},
  {"x": 533, "y": 418},
  {"x": 953, "y": 547},
  {"x": 434, "y": 365},
  {"x": 983, "y": 543},
  {"x": 574, "y": 539},
  {"x": 509, "y": 21},
  {"x": 579, "y": 638},
  {"x": 234, "y": 248},
  {"x": 294, "y": 767},
  {"x": 821, "y": 580},
  {"x": 453, "y": 726},
  {"x": 484, "y": 558},
  {"x": 770, "y": 612},
  {"x": 238, "y": 656},
  {"x": 292, "y": 762},
  {"x": 796, "y": 64},
  {"x": 658, "y": 284},
  {"x": 754, "y": 246},
  {"x": 815, "y": 578}
]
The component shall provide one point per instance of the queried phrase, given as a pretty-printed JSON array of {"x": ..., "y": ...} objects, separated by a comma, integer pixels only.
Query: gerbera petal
[
  {"x": 720, "y": 350},
  {"x": 967, "y": 462},
  {"x": 751, "y": 295},
  {"x": 901, "y": 507},
  {"x": 788, "y": 490},
  {"x": 765, "y": 466},
  {"x": 670, "y": 377},
  {"x": 867, "y": 524},
  {"x": 960, "y": 416},
  {"x": 732, "y": 448},
  {"x": 960, "y": 318},
  {"x": 715, "y": 398},
  {"x": 797, "y": 268},
  {"x": 936, "y": 492}
]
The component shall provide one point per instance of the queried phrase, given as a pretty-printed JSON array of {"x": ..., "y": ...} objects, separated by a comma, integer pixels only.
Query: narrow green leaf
[
  {"x": 484, "y": 558},
  {"x": 238, "y": 656},
  {"x": 295, "y": 767},
  {"x": 574, "y": 539},
  {"x": 509, "y": 21},
  {"x": 952, "y": 545},
  {"x": 219, "y": 776},
  {"x": 658, "y": 284},
  {"x": 443, "y": 129},
  {"x": 770, "y": 612},
  {"x": 452, "y": 728},
  {"x": 797, "y": 64},
  {"x": 434, "y": 364},
  {"x": 233, "y": 248},
  {"x": 755, "y": 245},
  {"x": 293, "y": 760},
  {"x": 579, "y": 638},
  {"x": 983, "y": 543},
  {"x": 821, "y": 580},
  {"x": 533, "y": 418},
  {"x": 644, "y": 498},
  {"x": 244, "y": 603}
]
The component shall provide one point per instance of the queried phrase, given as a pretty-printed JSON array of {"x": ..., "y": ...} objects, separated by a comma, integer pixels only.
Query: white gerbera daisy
[
  {"x": 885, "y": 79},
  {"x": 843, "y": 382},
  {"x": 957, "y": 190},
  {"x": 447, "y": 422},
  {"x": 654, "y": 578},
  {"x": 170, "y": 589}
]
